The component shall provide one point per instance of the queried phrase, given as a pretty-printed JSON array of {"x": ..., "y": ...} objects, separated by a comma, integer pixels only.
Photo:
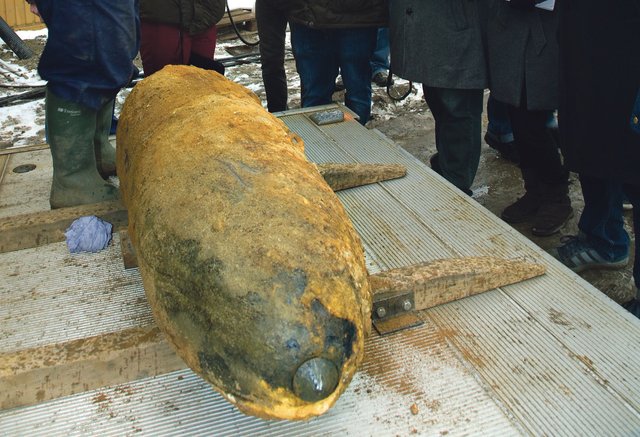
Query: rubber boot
[
  {"x": 105, "y": 152},
  {"x": 554, "y": 211},
  {"x": 71, "y": 132},
  {"x": 527, "y": 206}
]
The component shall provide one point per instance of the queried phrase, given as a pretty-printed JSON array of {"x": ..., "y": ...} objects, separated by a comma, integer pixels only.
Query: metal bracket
[{"x": 395, "y": 313}]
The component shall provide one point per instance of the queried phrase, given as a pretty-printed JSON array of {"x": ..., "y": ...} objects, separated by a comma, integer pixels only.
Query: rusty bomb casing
[{"x": 249, "y": 262}]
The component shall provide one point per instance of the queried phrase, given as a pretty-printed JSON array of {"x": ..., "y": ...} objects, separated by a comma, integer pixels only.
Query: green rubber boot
[
  {"x": 105, "y": 152},
  {"x": 71, "y": 132}
]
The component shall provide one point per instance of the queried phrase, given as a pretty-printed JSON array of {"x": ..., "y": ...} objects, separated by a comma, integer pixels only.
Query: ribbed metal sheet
[
  {"x": 551, "y": 356},
  {"x": 50, "y": 296},
  {"x": 415, "y": 367},
  {"x": 24, "y": 193}
]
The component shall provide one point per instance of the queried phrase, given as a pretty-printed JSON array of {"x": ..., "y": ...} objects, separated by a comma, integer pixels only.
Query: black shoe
[
  {"x": 507, "y": 150},
  {"x": 523, "y": 209},
  {"x": 550, "y": 218},
  {"x": 380, "y": 79}
]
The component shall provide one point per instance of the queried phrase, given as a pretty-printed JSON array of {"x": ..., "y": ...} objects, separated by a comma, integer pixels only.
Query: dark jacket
[
  {"x": 337, "y": 14},
  {"x": 439, "y": 43},
  {"x": 523, "y": 54},
  {"x": 600, "y": 79},
  {"x": 90, "y": 48},
  {"x": 193, "y": 16}
]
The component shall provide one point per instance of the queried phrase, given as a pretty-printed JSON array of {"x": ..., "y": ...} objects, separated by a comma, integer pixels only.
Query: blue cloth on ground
[{"x": 88, "y": 234}]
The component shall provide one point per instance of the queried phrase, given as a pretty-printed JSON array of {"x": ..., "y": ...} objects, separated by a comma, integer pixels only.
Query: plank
[
  {"x": 39, "y": 374},
  {"x": 441, "y": 281},
  {"x": 41, "y": 228}
]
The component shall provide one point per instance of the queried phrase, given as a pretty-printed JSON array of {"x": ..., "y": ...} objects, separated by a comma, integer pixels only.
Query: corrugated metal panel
[
  {"x": 51, "y": 296},
  {"x": 24, "y": 193},
  {"x": 412, "y": 367}
]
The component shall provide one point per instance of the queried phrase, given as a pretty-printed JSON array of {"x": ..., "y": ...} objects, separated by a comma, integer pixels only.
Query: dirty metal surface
[{"x": 549, "y": 356}]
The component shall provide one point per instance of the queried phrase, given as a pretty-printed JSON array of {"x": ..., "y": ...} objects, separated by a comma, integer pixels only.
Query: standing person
[
  {"x": 380, "y": 58},
  {"x": 523, "y": 65},
  {"x": 272, "y": 30},
  {"x": 600, "y": 81},
  {"x": 441, "y": 44},
  {"x": 332, "y": 37},
  {"x": 180, "y": 32},
  {"x": 87, "y": 59}
]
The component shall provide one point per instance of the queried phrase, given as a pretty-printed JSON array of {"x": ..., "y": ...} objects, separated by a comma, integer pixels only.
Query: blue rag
[{"x": 88, "y": 234}]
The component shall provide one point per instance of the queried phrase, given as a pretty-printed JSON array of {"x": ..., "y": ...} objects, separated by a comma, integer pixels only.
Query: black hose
[
  {"x": 33, "y": 94},
  {"x": 235, "y": 28},
  {"x": 13, "y": 41}
]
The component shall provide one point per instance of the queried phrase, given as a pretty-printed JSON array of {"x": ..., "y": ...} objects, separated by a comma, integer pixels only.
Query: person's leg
[
  {"x": 458, "y": 117},
  {"x": 354, "y": 49},
  {"x": 499, "y": 135},
  {"x": 499, "y": 124},
  {"x": 603, "y": 241},
  {"x": 601, "y": 222},
  {"x": 546, "y": 200},
  {"x": 160, "y": 45},
  {"x": 203, "y": 44},
  {"x": 71, "y": 133},
  {"x": 272, "y": 29},
  {"x": 380, "y": 57},
  {"x": 105, "y": 152},
  {"x": 317, "y": 65}
]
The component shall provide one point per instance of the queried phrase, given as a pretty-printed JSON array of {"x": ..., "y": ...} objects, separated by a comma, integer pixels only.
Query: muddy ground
[{"x": 409, "y": 123}]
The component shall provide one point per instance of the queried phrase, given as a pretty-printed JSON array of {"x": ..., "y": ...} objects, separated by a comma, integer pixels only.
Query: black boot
[
  {"x": 526, "y": 207},
  {"x": 554, "y": 211}
]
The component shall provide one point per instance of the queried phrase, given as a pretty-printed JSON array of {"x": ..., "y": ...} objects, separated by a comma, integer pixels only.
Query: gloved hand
[{"x": 88, "y": 234}]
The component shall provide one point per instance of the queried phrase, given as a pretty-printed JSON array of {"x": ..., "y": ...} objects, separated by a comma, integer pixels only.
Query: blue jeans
[
  {"x": 321, "y": 53},
  {"x": 601, "y": 220},
  {"x": 380, "y": 58}
]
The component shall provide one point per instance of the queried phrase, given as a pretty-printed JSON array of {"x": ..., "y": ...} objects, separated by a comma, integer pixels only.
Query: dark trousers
[
  {"x": 539, "y": 154},
  {"x": 272, "y": 28},
  {"x": 601, "y": 220},
  {"x": 458, "y": 117}
]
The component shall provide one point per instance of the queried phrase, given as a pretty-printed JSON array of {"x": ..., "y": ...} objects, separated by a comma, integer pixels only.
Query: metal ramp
[{"x": 549, "y": 356}]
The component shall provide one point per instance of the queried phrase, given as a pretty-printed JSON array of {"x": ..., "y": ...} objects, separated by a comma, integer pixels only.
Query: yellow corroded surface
[{"x": 238, "y": 239}]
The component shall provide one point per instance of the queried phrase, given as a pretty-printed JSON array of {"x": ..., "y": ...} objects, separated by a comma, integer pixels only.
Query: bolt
[
  {"x": 406, "y": 305},
  {"x": 381, "y": 312}
]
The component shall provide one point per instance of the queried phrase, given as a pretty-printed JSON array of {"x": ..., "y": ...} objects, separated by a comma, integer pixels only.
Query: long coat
[
  {"x": 600, "y": 79},
  {"x": 523, "y": 54},
  {"x": 439, "y": 43}
]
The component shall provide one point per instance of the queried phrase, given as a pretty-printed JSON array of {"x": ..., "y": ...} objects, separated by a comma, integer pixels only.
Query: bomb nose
[{"x": 315, "y": 379}]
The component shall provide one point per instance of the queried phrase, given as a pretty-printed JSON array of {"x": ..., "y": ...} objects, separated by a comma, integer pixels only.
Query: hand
[{"x": 34, "y": 9}]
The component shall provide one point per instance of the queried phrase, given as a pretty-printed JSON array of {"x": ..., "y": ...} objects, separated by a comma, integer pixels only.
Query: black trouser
[
  {"x": 539, "y": 154},
  {"x": 272, "y": 29},
  {"x": 458, "y": 117}
]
